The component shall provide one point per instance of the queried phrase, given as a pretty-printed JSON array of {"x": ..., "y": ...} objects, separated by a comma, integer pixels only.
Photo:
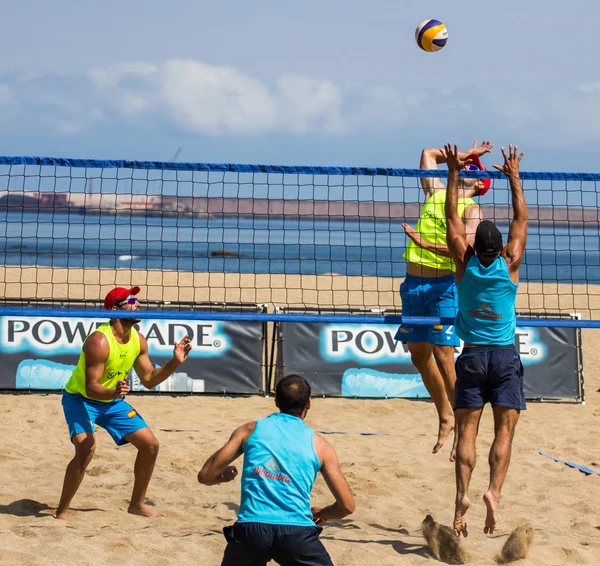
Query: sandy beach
[
  {"x": 395, "y": 478},
  {"x": 313, "y": 291}
]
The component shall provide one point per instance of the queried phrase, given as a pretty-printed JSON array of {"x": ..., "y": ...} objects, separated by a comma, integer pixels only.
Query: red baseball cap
[
  {"x": 117, "y": 295},
  {"x": 474, "y": 165}
]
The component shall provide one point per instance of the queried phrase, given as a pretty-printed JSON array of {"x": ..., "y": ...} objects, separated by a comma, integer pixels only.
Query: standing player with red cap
[
  {"x": 95, "y": 394},
  {"x": 429, "y": 288}
]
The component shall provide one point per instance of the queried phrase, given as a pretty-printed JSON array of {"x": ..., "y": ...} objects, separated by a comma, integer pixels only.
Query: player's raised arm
[
  {"x": 432, "y": 157},
  {"x": 456, "y": 237},
  {"x": 517, "y": 234}
]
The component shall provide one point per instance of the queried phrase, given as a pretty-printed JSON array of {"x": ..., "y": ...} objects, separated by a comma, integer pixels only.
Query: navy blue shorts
[
  {"x": 255, "y": 544},
  {"x": 491, "y": 374}
]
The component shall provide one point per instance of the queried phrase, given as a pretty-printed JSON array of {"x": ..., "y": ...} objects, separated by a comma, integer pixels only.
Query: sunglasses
[{"x": 130, "y": 301}]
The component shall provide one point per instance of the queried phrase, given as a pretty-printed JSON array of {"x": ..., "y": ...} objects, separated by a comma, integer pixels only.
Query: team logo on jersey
[
  {"x": 271, "y": 470},
  {"x": 485, "y": 311},
  {"x": 273, "y": 465}
]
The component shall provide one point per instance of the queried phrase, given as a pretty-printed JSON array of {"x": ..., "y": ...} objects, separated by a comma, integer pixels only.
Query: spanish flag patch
[
  {"x": 132, "y": 413},
  {"x": 438, "y": 327}
]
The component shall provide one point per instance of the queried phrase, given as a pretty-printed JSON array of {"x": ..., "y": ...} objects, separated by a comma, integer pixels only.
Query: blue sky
[{"x": 315, "y": 82}]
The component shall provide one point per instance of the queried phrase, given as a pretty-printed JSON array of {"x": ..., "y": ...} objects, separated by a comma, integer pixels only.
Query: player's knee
[
  {"x": 84, "y": 454},
  {"x": 420, "y": 354},
  {"x": 505, "y": 433},
  {"x": 444, "y": 355},
  {"x": 152, "y": 446}
]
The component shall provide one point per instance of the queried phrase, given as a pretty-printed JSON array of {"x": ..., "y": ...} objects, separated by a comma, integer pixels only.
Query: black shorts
[
  {"x": 491, "y": 374},
  {"x": 255, "y": 544}
]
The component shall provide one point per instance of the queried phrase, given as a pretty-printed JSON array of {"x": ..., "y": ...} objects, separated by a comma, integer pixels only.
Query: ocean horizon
[{"x": 258, "y": 244}]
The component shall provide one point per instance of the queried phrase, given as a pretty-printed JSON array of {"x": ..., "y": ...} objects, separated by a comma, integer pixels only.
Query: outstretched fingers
[
  {"x": 518, "y": 158},
  {"x": 186, "y": 344},
  {"x": 487, "y": 146},
  {"x": 514, "y": 150},
  {"x": 511, "y": 160},
  {"x": 451, "y": 151}
]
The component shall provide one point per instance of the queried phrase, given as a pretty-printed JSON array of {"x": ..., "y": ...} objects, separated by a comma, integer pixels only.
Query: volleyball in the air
[{"x": 431, "y": 35}]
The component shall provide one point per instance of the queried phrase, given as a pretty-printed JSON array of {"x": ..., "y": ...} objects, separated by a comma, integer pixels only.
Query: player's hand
[
  {"x": 318, "y": 515},
  {"x": 485, "y": 147},
  {"x": 121, "y": 389},
  {"x": 453, "y": 160},
  {"x": 228, "y": 474},
  {"x": 182, "y": 349},
  {"x": 412, "y": 234},
  {"x": 511, "y": 162}
]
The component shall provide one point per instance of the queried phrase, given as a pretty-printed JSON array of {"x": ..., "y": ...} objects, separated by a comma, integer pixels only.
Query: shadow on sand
[{"x": 32, "y": 508}]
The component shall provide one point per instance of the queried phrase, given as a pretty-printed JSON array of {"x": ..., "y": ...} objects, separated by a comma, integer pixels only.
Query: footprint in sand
[
  {"x": 98, "y": 470},
  {"x": 518, "y": 544},
  {"x": 443, "y": 544}
]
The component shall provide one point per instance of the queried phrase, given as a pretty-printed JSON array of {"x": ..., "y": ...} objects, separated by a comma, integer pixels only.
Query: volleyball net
[{"x": 305, "y": 243}]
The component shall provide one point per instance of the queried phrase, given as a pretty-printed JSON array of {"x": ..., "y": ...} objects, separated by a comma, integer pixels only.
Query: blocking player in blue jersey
[{"x": 489, "y": 368}]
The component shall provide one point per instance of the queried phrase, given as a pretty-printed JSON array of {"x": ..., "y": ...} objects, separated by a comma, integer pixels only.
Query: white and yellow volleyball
[{"x": 431, "y": 35}]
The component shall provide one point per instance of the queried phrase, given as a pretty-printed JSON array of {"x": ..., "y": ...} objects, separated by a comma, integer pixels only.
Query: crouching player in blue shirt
[
  {"x": 282, "y": 457},
  {"x": 489, "y": 368}
]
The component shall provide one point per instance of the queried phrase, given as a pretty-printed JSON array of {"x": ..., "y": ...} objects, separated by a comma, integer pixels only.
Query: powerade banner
[
  {"x": 353, "y": 360},
  {"x": 226, "y": 357}
]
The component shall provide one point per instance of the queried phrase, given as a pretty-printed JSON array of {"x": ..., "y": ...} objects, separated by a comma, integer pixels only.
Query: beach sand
[
  {"x": 313, "y": 291},
  {"x": 395, "y": 478}
]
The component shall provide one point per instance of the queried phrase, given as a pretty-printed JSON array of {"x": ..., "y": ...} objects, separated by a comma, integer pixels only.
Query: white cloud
[
  {"x": 205, "y": 99},
  {"x": 306, "y": 103},
  {"x": 548, "y": 116},
  {"x": 221, "y": 100},
  {"x": 215, "y": 100},
  {"x": 127, "y": 88}
]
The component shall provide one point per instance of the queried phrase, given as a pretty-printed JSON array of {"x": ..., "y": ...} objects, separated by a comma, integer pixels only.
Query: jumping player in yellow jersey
[
  {"x": 429, "y": 288},
  {"x": 95, "y": 394}
]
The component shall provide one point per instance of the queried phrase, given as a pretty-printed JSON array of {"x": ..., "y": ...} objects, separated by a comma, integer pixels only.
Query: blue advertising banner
[
  {"x": 353, "y": 360},
  {"x": 226, "y": 357}
]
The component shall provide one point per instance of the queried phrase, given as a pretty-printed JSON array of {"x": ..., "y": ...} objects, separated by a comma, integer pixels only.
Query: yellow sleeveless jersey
[
  {"x": 120, "y": 360},
  {"x": 432, "y": 227}
]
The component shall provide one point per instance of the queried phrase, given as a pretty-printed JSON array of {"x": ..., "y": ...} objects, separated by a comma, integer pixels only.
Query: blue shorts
[
  {"x": 118, "y": 417},
  {"x": 489, "y": 374},
  {"x": 423, "y": 296},
  {"x": 256, "y": 544}
]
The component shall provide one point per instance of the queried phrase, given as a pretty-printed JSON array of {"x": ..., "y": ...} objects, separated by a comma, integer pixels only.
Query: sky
[{"x": 317, "y": 82}]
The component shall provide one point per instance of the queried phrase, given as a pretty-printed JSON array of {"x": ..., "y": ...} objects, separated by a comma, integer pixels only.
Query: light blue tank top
[
  {"x": 486, "y": 304},
  {"x": 280, "y": 467}
]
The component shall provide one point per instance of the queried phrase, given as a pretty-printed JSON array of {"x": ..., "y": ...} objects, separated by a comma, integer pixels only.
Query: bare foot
[
  {"x": 444, "y": 430},
  {"x": 491, "y": 502},
  {"x": 63, "y": 515},
  {"x": 144, "y": 511},
  {"x": 460, "y": 521}
]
